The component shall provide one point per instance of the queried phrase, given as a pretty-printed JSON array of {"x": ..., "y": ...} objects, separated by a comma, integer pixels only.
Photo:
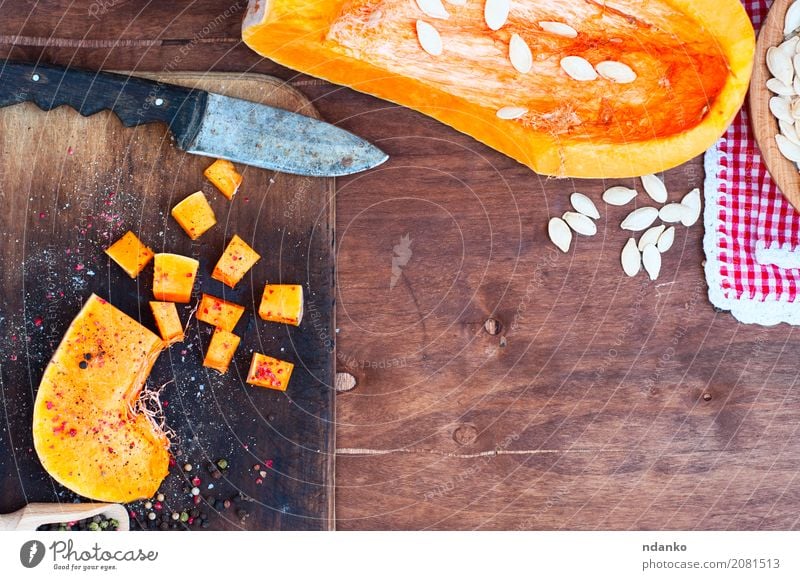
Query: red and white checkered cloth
[{"x": 750, "y": 227}]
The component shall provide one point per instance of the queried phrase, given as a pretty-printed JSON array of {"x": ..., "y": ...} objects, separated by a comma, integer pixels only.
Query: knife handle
[{"x": 134, "y": 100}]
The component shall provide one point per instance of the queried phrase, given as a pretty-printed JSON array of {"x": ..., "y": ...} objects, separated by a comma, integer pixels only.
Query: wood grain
[
  {"x": 577, "y": 415},
  {"x": 765, "y": 125},
  {"x": 71, "y": 186}
]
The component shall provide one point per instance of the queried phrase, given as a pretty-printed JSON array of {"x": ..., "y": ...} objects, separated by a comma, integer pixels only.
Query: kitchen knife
[{"x": 202, "y": 123}]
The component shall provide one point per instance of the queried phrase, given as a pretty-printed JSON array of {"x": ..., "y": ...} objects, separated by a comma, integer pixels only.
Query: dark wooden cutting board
[{"x": 69, "y": 187}]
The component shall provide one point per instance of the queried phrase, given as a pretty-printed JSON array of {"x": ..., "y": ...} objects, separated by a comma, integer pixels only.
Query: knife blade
[{"x": 201, "y": 123}]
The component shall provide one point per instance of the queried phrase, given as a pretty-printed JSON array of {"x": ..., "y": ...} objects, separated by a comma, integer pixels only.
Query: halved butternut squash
[
  {"x": 86, "y": 430},
  {"x": 691, "y": 60}
]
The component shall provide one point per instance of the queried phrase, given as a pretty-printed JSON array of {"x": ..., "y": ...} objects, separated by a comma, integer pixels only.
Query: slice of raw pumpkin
[
  {"x": 582, "y": 88},
  {"x": 86, "y": 430}
]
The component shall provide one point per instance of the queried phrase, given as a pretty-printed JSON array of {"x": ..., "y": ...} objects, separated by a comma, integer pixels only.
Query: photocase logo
[
  {"x": 401, "y": 255},
  {"x": 31, "y": 553}
]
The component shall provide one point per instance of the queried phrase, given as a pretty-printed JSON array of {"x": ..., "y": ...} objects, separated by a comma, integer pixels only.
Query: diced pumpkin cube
[
  {"x": 224, "y": 176},
  {"x": 130, "y": 253},
  {"x": 168, "y": 321},
  {"x": 282, "y": 303},
  {"x": 194, "y": 215},
  {"x": 235, "y": 262},
  {"x": 173, "y": 277},
  {"x": 269, "y": 372},
  {"x": 220, "y": 350},
  {"x": 219, "y": 312}
]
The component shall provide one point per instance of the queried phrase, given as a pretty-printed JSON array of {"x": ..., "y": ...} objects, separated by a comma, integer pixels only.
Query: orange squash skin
[
  {"x": 715, "y": 48},
  {"x": 84, "y": 431}
]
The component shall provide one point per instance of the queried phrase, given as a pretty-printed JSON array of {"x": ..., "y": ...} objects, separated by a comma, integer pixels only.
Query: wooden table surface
[{"x": 603, "y": 403}]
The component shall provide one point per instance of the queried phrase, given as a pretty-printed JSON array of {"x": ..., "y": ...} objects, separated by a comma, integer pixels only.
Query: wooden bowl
[{"x": 765, "y": 125}]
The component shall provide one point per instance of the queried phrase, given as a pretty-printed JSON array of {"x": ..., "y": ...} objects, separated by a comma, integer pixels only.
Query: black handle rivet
[
  {"x": 159, "y": 102},
  {"x": 35, "y": 78}
]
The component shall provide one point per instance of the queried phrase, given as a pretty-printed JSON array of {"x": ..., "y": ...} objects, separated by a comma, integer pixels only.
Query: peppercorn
[
  {"x": 148, "y": 505},
  {"x": 184, "y": 517},
  {"x": 175, "y": 515},
  {"x": 194, "y": 512},
  {"x": 187, "y": 467},
  {"x": 83, "y": 364},
  {"x": 195, "y": 491},
  {"x": 97, "y": 519},
  {"x": 113, "y": 523},
  {"x": 226, "y": 504},
  {"x": 94, "y": 526},
  {"x": 104, "y": 524},
  {"x": 151, "y": 516},
  {"x": 216, "y": 474},
  {"x": 160, "y": 497},
  {"x": 222, "y": 463}
]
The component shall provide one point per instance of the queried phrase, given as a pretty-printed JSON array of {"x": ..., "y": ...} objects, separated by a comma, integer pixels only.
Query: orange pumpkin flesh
[
  {"x": 270, "y": 373},
  {"x": 693, "y": 59},
  {"x": 218, "y": 312},
  {"x": 168, "y": 321},
  {"x": 224, "y": 176},
  {"x": 85, "y": 431},
  {"x": 235, "y": 262},
  {"x": 221, "y": 349}
]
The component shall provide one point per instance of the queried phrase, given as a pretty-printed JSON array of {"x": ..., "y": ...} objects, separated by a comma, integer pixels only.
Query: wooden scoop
[{"x": 37, "y": 514}]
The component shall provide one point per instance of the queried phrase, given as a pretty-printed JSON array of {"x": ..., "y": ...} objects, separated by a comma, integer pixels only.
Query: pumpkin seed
[
  {"x": 650, "y": 236},
  {"x": 429, "y": 38},
  {"x": 520, "y": 54},
  {"x": 651, "y": 259},
  {"x": 655, "y": 188},
  {"x": 615, "y": 71},
  {"x": 666, "y": 239},
  {"x": 780, "y": 65},
  {"x": 495, "y": 12},
  {"x": 789, "y": 46},
  {"x": 796, "y": 85},
  {"x": 787, "y": 148},
  {"x": 578, "y": 68},
  {"x": 792, "y": 19},
  {"x": 584, "y": 205},
  {"x": 619, "y": 195},
  {"x": 511, "y": 112},
  {"x": 558, "y": 28},
  {"x": 779, "y": 106},
  {"x": 672, "y": 213},
  {"x": 789, "y": 131},
  {"x": 779, "y": 88},
  {"x": 691, "y": 201},
  {"x": 433, "y": 8},
  {"x": 640, "y": 219},
  {"x": 580, "y": 223},
  {"x": 559, "y": 233},
  {"x": 631, "y": 258},
  {"x": 794, "y": 108}
]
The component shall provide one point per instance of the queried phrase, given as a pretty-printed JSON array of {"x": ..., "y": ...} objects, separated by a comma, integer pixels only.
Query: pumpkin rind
[
  {"x": 706, "y": 45},
  {"x": 84, "y": 430}
]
